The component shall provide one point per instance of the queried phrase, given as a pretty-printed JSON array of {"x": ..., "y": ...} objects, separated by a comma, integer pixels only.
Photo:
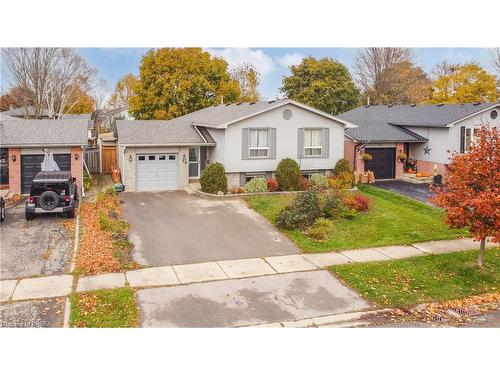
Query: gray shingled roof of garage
[
  {"x": 160, "y": 132},
  {"x": 29, "y": 132},
  {"x": 385, "y": 123}
]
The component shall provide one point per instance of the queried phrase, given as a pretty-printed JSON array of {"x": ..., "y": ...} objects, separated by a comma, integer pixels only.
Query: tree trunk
[{"x": 482, "y": 246}]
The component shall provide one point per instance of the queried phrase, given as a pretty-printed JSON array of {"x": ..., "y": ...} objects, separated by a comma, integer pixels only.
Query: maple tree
[
  {"x": 124, "y": 90},
  {"x": 176, "y": 81},
  {"x": 471, "y": 194},
  {"x": 467, "y": 83}
]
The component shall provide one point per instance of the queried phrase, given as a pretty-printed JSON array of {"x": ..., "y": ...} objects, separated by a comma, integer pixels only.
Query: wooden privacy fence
[{"x": 92, "y": 159}]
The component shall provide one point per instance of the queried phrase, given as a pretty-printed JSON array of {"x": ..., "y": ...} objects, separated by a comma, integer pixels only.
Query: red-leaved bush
[
  {"x": 471, "y": 192},
  {"x": 272, "y": 184},
  {"x": 305, "y": 184},
  {"x": 358, "y": 202}
]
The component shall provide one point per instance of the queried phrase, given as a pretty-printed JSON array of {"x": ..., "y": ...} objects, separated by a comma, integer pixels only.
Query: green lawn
[
  {"x": 393, "y": 220},
  {"x": 423, "y": 279},
  {"x": 114, "y": 308}
]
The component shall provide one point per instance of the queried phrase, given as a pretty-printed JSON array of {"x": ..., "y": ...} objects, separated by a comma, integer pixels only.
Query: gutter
[{"x": 165, "y": 145}]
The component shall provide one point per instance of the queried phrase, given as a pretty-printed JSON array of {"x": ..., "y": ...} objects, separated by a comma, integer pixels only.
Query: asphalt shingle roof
[
  {"x": 28, "y": 132},
  {"x": 386, "y": 123},
  {"x": 157, "y": 132}
]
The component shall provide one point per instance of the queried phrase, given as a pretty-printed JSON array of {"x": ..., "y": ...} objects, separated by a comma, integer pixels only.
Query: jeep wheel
[{"x": 48, "y": 200}]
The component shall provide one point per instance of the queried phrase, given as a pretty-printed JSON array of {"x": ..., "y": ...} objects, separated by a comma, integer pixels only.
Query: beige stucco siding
[{"x": 129, "y": 167}]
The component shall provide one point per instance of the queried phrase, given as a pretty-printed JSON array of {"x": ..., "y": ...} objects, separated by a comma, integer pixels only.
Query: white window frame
[
  {"x": 473, "y": 130},
  {"x": 194, "y": 162},
  {"x": 313, "y": 147},
  {"x": 257, "y": 148}
]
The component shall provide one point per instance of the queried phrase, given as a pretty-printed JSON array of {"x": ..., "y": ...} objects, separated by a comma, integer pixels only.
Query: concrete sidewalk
[{"x": 58, "y": 286}]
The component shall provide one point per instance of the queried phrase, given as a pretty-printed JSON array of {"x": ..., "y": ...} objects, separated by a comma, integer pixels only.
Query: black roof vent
[
  {"x": 240, "y": 103},
  {"x": 228, "y": 104},
  {"x": 390, "y": 105},
  {"x": 440, "y": 104},
  {"x": 271, "y": 101},
  {"x": 251, "y": 103},
  {"x": 413, "y": 105},
  {"x": 477, "y": 103}
]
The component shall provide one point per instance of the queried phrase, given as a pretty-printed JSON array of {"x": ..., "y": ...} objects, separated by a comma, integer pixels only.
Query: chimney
[
  {"x": 368, "y": 101},
  {"x": 221, "y": 100}
]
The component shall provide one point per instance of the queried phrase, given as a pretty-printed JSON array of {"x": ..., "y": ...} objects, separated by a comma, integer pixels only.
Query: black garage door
[
  {"x": 31, "y": 165},
  {"x": 382, "y": 164}
]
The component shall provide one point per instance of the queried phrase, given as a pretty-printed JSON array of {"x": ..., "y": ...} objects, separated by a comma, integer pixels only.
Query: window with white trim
[
  {"x": 258, "y": 143},
  {"x": 469, "y": 137},
  {"x": 313, "y": 142}
]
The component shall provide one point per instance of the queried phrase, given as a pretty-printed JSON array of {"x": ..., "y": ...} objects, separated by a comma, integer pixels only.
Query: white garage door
[{"x": 156, "y": 172}]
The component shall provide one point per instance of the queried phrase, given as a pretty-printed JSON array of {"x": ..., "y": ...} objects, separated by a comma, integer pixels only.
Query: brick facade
[
  {"x": 15, "y": 170},
  {"x": 426, "y": 166},
  {"x": 77, "y": 166}
]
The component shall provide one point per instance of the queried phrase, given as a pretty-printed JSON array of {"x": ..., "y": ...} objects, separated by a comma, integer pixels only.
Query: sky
[{"x": 272, "y": 63}]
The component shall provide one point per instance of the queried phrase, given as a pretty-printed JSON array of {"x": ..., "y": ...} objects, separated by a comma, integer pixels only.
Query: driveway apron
[{"x": 177, "y": 228}]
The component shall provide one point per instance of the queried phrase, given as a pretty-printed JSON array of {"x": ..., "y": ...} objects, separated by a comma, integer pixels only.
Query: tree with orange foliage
[{"x": 471, "y": 194}]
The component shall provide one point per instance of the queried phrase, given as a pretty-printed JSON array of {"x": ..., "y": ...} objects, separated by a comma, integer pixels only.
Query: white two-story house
[{"x": 249, "y": 139}]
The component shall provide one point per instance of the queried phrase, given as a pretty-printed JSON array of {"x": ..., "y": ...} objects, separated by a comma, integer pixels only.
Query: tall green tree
[
  {"x": 467, "y": 83},
  {"x": 124, "y": 90},
  {"x": 177, "y": 81},
  {"x": 325, "y": 84}
]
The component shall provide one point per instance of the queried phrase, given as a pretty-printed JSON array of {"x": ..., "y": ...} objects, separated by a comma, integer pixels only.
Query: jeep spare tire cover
[{"x": 49, "y": 200}]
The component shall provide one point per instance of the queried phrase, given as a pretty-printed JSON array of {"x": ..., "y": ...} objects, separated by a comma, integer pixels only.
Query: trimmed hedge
[
  {"x": 288, "y": 175},
  {"x": 319, "y": 181},
  {"x": 342, "y": 166},
  {"x": 256, "y": 185},
  {"x": 214, "y": 179}
]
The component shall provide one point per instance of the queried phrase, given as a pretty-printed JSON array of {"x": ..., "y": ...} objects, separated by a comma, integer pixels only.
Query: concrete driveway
[
  {"x": 177, "y": 228},
  {"x": 419, "y": 192},
  {"x": 243, "y": 302},
  {"x": 38, "y": 247}
]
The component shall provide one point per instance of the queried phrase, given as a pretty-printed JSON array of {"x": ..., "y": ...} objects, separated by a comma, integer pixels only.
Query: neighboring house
[
  {"x": 249, "y": 139},
  {"x": 425, "y": 132},
  {"x": 26, "y": 112},
  {"x": 91, "y": 133},
  {"x": 23, "y": 142}
]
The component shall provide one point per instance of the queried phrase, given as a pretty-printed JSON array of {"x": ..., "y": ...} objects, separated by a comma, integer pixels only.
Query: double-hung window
[
  {"x": 313, "y": 142},
  {"x": 259, "y": 143}
]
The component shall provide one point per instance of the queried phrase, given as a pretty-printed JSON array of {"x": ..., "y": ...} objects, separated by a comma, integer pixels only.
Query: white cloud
[
  {"x": 290, "y": 59},
  {"x": 235, "y": 56}
]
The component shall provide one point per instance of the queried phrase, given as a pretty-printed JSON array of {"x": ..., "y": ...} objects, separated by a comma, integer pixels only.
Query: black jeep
[{"x": 52, "y": 192}]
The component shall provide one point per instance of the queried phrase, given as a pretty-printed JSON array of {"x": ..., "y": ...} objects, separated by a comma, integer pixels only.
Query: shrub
[
  {"x": 237, "y": 190},
  {"x": 332, "y": 206},
  {"x": 358, "y": 202},
  {"x": 305, "y": 184},
  {"x": 367, "y": 157},
  {"x": 288, "y": 175},
  {"x": 272, "y": 184},
  {"x": 320, "y": 230},
  {"x": 348, "y": 213},
  {"x": 214, "y": 179},
  {"x": 87, "y": 180},
  {"x": 304, "y": 210},
  {"x": 256, "y": 185},
  {"x": 318, "y": 181},
  {"x": 342, "y": 166},
  {"x": 344, "y": 181}
]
